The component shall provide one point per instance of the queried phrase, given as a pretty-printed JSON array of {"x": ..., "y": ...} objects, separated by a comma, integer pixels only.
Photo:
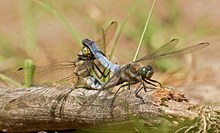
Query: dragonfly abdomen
[
  {"x": 100, "y": 56},
  {"x": 106, "y": 63},
  {"x": 92, "y": 82}
]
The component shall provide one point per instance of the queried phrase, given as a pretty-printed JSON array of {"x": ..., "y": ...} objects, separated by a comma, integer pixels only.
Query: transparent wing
[
  {"x": 44, "y": 75},
  {"x": 63, "y": 80},
  {"x": 165, "y": 51},
  {"x": 166, "y": 47},
  {"x": 114, "y": 67},
  {"x": 107, "y": 35}
]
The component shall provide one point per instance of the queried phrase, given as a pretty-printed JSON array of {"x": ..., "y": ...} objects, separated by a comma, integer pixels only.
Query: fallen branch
[{"x": 46, "y": 113}]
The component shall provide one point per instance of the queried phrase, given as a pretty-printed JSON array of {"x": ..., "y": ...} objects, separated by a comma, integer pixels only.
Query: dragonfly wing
[
  {"x": 43, "y": 75},
  {"x": 163, "y": 49},
  {"x": 50, "y": 96},
  {"x": 170, "y": 54},
  {"x": 107, "y": 35},
  {"x": 166, "y": 47},
  {"x": 184, "y": 51}
]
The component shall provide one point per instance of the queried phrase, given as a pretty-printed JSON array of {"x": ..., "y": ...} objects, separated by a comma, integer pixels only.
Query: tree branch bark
[{"x": 46, "y": 113}]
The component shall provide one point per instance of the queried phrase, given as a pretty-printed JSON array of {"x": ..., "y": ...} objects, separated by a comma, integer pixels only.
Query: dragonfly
[
  {"x": 133, "y": 72},
  {"x": 65, "y": 74}
]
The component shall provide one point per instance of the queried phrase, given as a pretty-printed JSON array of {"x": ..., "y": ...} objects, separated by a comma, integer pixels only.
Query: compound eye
[
  {"x": 147, "y": 72},
  {"x": 85, "y": 51},
  {"x": 143, "y": 72}
]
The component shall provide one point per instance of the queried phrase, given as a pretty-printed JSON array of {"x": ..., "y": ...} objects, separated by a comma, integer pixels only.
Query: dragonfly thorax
[{"x": 146, "y": 72}]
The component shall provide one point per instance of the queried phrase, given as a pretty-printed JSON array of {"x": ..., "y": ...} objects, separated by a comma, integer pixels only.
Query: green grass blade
[
  {"x": 29, "y": 27},
  {"x": 29, "y": 69},
  {"x": 5, "y": 45},
  {"x": 5, "y": 78},
  {"x": 144, "y": 31},
  {"x": 73, "y": 31},
  {"x": 132, "y": 9}
]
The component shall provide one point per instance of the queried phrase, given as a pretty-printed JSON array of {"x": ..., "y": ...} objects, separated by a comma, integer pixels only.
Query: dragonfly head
[
  {"x": 85, "y": 51},
  {"x": 147, "y": 72}
]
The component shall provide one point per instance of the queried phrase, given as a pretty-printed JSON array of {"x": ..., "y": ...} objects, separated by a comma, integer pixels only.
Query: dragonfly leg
[
  {"x": 117, "y": 92},
  {"x": 145, "y": 87},
  {"x": 61, "y": 99},
  {"x": 138, "y": 90},
  {"x": 155, "y": 81},
  {"x": 98, "y": 71},
  {"x": 124, "y": 85},
  {"x": 149, "y": 82},
  {"x": 65, "y": 98}
]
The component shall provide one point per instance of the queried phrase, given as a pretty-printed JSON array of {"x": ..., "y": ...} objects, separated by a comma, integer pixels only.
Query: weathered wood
[{"x": 28, "y": 116}]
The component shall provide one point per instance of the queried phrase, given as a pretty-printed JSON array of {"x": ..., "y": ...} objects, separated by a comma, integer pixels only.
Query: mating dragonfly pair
[{"x": 77, "y": 73}]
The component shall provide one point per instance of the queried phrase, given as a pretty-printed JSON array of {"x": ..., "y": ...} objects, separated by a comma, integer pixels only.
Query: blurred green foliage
[{"x": 32, "y": 12}]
